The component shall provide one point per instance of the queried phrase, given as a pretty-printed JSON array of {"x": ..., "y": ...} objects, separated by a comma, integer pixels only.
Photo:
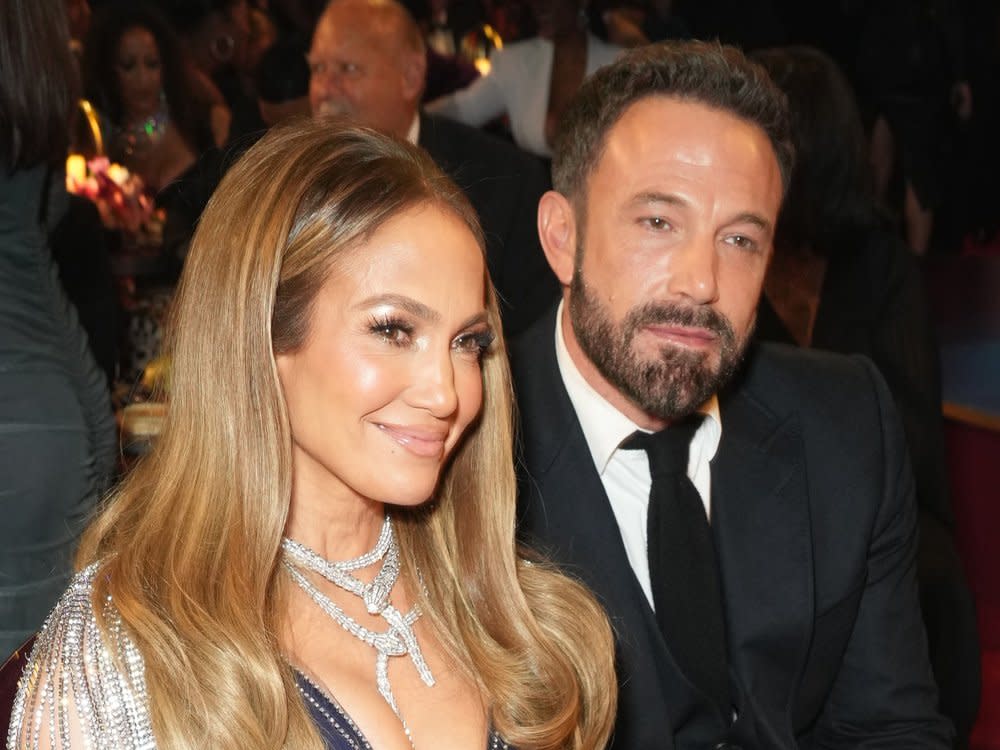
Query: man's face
[
  {"x": 680, "y": 216},
  {"x": 360, "y": 67}
]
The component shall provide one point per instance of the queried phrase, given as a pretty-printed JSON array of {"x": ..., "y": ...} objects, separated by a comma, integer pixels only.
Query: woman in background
[
  {"x": 161, "y": 114},
  {"x": 57, "y": 430},
  {"x": 319, "y": 551}
]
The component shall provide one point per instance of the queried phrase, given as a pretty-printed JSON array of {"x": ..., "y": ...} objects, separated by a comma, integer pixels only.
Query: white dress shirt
[
  {"x": 413, "y": 134},
  {"x": 625, "y": 473}
]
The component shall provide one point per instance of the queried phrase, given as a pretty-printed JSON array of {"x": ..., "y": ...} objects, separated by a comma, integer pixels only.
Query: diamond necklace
[{"x": 399, "y": 639}]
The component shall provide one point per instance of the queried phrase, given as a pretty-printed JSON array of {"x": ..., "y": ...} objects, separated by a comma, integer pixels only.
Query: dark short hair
[
  {"x": 38, "y": 83},
  {"x": 716, "y": 75}
]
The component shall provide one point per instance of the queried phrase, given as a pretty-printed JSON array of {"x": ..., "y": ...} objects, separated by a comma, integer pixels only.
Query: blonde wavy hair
[{"x": 189, "y": 543}]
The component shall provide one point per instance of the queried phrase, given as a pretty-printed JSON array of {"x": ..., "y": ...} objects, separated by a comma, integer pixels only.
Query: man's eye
[
  {"x": 742, "y": 241},
  {"x": 656, "y": 222}
]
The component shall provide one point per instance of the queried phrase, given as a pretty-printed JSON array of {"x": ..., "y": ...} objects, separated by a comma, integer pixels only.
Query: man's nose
[
  {"x": 328, "y": 81},
  {"x": 694, "y": 270}
]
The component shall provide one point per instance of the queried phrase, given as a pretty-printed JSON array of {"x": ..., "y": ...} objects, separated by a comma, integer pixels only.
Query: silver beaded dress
[{"x": 76, "y": 682}]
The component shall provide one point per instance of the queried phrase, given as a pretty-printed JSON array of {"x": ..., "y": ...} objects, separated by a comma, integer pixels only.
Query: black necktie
[{"x": 682, "y": 565}]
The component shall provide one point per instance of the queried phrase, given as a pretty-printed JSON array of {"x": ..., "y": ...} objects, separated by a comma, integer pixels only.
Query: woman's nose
[{"x": 433, "y": 388}]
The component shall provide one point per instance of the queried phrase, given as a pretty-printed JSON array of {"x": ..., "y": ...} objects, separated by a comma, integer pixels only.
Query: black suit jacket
[
  {"x": 503, "y": 183},
  {"x": 873, "y": 302},
  {"x": 814, "y": 523}
]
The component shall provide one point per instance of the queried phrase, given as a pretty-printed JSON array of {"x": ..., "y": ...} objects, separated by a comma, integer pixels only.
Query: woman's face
[
  {"x": 139, "y": 67},
  {"x": 389, "y": 376}
]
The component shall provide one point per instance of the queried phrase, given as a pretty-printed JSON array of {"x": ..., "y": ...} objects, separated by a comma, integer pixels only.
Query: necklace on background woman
[
  {"x": 399, "y": 639},
  {"x": 139, "y": 136}
]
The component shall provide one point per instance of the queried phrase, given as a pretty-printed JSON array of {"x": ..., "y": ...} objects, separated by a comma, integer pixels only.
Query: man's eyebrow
[
  {"x": 749, "y": 217},
  {"x": 652, "y": 196},
  {"x": 403, "y": 302}
]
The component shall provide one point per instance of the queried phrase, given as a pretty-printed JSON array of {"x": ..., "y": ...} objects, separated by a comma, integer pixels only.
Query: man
[
  {"x": 369, "y": 63},
  {"x": 790, "y": 531}
]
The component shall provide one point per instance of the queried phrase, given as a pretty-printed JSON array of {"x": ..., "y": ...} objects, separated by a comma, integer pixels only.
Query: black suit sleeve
[{"x": 884, "y": 695}]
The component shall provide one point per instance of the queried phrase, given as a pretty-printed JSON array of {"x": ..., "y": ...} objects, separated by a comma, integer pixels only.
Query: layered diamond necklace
[{"x": 399, "y": 639}]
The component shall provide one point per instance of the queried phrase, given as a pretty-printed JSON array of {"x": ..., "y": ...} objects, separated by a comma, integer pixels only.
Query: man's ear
[
  {"x": 414, "y": 70},
  {"x": 557, "y": 233}
]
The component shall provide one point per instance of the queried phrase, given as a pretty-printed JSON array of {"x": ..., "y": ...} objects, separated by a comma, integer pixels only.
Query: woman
[
  {"x": 335, "y": 382},
  {"x": 161, "y": 114},
  {"x": 57, "y": 430},
  {"x": 533, "y": 80}
]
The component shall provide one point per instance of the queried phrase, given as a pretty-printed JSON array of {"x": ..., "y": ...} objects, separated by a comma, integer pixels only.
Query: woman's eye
[
  {"x": 476, "y": 343},
  {"x": 393, "y": 332}
]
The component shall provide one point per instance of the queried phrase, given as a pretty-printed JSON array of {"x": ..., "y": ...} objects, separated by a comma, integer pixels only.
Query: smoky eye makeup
[{"x": 477, "y": 342}]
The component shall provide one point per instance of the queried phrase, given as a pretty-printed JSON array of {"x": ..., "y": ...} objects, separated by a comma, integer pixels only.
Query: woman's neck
[{"x": 336, "y": 528}]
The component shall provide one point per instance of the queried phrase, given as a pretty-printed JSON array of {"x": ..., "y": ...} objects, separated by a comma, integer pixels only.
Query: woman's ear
[{"x": 557, "y": 233}]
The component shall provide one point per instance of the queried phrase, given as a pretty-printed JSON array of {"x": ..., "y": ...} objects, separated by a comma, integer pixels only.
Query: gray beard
[{"x": 670, "y": 386}]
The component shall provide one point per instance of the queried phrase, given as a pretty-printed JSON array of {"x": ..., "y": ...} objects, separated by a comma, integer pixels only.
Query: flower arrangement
[{"x": 120, "y": 197}]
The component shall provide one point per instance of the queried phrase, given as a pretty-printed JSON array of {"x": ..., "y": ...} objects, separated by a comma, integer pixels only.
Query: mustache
[
  {"x": 333, "y": 107},
  {"x": 666, "y": 313}
]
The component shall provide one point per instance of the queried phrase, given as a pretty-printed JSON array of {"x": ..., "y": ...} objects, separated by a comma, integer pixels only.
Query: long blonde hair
[{"x": 189, "y": 544}]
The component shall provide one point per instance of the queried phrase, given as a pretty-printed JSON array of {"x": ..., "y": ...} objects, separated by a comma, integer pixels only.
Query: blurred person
[
  {"x": 319, "y": 551},
  {"x": 135, "y": 75},
  {"x": 223, "y": 39},
  {"x": 368, "y": 62},
  {"x": 914, "y": 86},
  {"x": 78, "y": 12},
  {"x": 532, "y": 80},
  {"x": 448, "y": 68},
  {"x": 632, "y": 25},
  {"x": 744, "y": 511},
  {"x": 843, "y": 279},
  {"x": 282, "y": 81},
  {"x": 57, "y": 430}
]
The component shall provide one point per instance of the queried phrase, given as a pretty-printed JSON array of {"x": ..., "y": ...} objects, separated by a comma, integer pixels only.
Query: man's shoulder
[
  {"x": 455, "y": 143},
  {"x": 813, "y": 383}
]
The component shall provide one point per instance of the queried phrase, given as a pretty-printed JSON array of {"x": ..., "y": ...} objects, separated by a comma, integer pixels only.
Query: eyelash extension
[
  {"x": 383, "y": 326},
  {"x": 483, "y": 340}
]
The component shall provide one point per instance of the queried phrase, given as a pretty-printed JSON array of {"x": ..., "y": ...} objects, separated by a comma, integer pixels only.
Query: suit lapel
[
  {"x": 569, "y": 511},
  {"x": 760, "y": 519}
]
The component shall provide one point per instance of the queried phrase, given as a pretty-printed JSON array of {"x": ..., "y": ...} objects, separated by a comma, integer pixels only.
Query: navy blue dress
[{"x": 337, "y": 729}]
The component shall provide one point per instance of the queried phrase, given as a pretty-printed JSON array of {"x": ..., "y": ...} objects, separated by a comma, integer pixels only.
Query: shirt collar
[
  {"x": 604, "y": 427},
  {"x": 413, "y": 134}
]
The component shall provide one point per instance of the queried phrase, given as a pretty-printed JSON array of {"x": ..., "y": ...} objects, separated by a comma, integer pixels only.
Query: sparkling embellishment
[
  {"x": 399, "y": 639},
  {"x": 74, "y": 675}
]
